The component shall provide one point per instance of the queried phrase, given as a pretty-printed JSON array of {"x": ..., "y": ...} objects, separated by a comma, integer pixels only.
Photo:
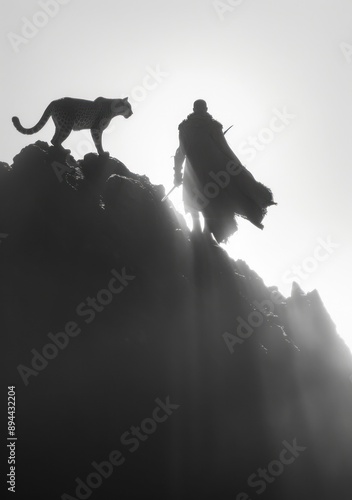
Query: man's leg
[{"x": 197, "y": 228}]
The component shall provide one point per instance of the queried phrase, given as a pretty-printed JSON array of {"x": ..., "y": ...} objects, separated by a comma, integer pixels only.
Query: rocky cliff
[{"x": 147, "y": 363}]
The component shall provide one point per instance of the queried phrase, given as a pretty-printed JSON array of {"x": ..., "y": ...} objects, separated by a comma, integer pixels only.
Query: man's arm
[{"x": 179, "y": 159}]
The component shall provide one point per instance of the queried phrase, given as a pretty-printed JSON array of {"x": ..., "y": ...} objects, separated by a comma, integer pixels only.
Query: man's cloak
[{"x": 214, "y": 181}]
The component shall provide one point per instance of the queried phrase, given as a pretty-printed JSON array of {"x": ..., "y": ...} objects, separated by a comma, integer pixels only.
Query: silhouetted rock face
[{"x": 112, "y": 309}]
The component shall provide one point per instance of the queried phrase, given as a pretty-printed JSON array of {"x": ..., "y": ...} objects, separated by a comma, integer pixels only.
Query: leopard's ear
[{"x": 125, "y": 99}]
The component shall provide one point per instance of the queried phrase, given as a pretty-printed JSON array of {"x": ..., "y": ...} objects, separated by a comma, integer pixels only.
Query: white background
[{"x": 246, "y": 58}]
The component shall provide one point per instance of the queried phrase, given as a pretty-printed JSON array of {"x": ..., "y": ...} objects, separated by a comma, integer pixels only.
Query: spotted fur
[{"x": 77, "y": 114}]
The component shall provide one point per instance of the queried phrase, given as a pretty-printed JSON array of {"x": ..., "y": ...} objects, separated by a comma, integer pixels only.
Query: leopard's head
[{"x": 122, "y": 107}]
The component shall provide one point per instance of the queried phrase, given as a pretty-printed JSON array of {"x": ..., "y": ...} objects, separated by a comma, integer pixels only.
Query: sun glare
[{"x": 153, "y": 134}]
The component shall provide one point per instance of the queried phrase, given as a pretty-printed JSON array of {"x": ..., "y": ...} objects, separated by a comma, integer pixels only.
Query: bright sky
[{"x": 252, "y": 60}]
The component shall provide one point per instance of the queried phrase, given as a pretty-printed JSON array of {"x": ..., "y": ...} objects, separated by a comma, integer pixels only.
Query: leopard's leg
[
  {"x": 61, "y": 134},
  {"x": 97, "y": 134}
]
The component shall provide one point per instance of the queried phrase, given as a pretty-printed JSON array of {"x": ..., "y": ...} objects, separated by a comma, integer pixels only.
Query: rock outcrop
[{"x": 111, "y": 309}]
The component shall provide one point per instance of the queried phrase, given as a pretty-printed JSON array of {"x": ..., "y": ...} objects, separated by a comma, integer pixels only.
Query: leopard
[{"x": 70, "y": 114}]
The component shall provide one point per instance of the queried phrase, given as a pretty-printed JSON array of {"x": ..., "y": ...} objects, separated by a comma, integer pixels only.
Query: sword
[{"x": 168, "y": 194}]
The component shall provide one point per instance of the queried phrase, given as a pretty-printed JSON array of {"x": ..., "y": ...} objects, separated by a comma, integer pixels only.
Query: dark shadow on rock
[{"x": 249, "y": 368}]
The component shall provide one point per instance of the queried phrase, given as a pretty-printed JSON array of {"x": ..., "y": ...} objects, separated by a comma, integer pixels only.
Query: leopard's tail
[{"x": 38, "y": 126}]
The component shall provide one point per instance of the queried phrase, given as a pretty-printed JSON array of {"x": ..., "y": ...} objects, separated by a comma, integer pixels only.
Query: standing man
[{"x": 215, "y": 182}]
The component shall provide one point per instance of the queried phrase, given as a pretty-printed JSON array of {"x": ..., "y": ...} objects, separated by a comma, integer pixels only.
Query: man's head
[{"x": 200, "y": 106}]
